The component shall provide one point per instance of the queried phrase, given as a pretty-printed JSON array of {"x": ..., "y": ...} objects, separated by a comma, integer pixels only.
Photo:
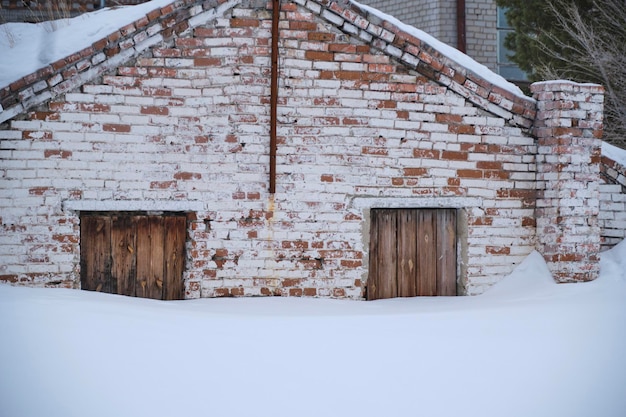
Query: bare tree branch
[{"x": 595, "y": 51}]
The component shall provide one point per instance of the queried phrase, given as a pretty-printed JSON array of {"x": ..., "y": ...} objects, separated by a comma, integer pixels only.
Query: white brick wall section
[{"x": 201, "y": 145}]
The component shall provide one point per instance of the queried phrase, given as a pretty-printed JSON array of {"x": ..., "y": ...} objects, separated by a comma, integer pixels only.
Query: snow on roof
[
  {"x": 613, "y": 152},
  {"x": 28, "y": 47},
  {"x": 448, "y": 51}
]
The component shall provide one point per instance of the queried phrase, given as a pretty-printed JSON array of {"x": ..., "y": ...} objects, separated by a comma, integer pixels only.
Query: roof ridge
[{"x": 347, "y": 15}]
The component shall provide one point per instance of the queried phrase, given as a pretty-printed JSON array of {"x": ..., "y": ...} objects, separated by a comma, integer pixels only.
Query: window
[{"x": 506, "y": 68}]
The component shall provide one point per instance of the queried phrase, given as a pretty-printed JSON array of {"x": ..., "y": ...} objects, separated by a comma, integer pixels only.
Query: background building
[
  {"x": 475, "y": 27},
  {"x": 40, "y": 10}
]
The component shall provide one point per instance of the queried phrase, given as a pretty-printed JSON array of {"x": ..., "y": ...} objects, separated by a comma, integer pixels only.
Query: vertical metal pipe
[
  {"x": 461, "y": 42},
  {"x": 274, "y": 95}
]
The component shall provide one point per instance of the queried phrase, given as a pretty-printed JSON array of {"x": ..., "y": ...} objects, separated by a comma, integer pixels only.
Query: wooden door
[
  {"x": 133, "y": 254},
  {"x": 412, "y": 253}
]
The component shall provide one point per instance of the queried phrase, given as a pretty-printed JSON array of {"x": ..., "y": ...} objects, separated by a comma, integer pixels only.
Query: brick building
[{"x": 231, "y": 148}]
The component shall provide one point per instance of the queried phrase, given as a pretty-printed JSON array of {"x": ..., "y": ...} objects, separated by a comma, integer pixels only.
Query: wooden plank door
[
  {"x": 133, "y": 254},
  {"x": 412, "y": 253}
]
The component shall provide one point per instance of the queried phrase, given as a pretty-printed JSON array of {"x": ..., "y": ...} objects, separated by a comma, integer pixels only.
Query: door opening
[
  {"x": 412, "y": 253},
  {"x": 134, "y": 254}
]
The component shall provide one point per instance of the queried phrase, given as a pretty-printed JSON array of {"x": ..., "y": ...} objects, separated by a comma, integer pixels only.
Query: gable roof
[{"x": 405, "y": 44}]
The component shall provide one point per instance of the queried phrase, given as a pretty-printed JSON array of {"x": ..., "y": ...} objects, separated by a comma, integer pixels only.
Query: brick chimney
[{"x": 568, "y": 128}]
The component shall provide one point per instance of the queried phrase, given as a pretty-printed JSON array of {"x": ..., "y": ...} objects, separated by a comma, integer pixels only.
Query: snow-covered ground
[{"x": 528, "y": 347}]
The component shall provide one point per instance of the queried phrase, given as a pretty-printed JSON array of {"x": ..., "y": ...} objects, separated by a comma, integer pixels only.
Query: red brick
[
  {"x": 207, "y": 62},
  {"x": 319, "y": 55},
  {"x": 295, "y": 292},
  {"x": 187, "y": 176},
  {"x": 50, "y": 153},
  {"x": 415, "y": 172},
  {"x": 113, "y": 127},
  {"x": 321, "y": 36},
  {"x": 237, "y": 292},
  {"x": 351, "y": 263},
  {"x": 9, "y": 278},
  {"x": 300, "y": 25},
  {"x": 448, "y": 118},
  {"x": 156, "y": 110},
  {"x": 489, "y": 165},
  {"x": 290, "y": 282},
  {"x": 242, "y": 22},
  {"x": 454, "y": 156}
]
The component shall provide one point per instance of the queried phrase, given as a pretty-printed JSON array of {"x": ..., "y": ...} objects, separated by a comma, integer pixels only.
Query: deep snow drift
[{"x": 528, "y": 347}]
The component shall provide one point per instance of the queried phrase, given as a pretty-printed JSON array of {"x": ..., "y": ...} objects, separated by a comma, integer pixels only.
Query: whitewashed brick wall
[
  {"x": 184, "y": 127},
  {"x": 612, "y": 217}
]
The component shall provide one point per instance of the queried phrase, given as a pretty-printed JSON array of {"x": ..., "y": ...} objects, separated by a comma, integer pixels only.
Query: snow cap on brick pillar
[{"x": 568, "y": 128}]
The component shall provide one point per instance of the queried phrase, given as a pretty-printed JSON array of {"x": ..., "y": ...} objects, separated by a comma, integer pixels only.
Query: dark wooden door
[
  {"x": 133, "y": 254},
  {"x": 412, "y": 253}
]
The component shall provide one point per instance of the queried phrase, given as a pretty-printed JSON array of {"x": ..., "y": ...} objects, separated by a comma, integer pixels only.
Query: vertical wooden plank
[
  {"x": 373, "y": 274},
  {"x": 157, "y": 260},
  {"x": 150, "y": 262},
  {"x": 446, "y": 252},
  {"x": 387, "y": 253},
  {"x": 407, "y": 252},
  {"x": 174, "y": 255},
  {"x": 143, "y": 241},
  {"x": 427, "y": 253},
  {"x": 123, "y": 254},
  {"x": 95, "y": 253}
]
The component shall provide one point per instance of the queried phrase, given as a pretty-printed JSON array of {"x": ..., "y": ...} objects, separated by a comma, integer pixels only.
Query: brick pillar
[{"x": 568, "y": 128}]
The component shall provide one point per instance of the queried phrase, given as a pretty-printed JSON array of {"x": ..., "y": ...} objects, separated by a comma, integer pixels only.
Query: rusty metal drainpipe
[
  {"x": 461, "y": 42},
  {"x": 274, "y": 95}
]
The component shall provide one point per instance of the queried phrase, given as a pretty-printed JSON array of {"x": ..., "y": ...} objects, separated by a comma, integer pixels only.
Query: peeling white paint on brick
[{"x": 177, "y": 131}]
